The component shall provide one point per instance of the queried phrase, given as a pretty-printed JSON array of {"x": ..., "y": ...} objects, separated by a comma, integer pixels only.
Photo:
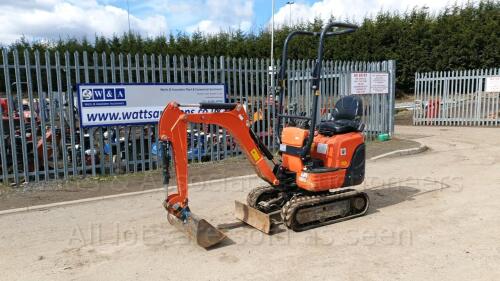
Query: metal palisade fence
[
  {"x": 40, "y": 134},
  {"x": 456, "y": 98}
]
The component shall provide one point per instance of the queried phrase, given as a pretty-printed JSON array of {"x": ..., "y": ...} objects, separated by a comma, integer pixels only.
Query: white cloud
[
  {"x": 223, "y": 14},
  {"x": 52, "y": 19},
  {"x": 352, "y": 10}
]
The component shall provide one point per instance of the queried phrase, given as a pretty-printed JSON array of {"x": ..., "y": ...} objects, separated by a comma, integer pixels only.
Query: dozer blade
[
  {"x": 198, "y": 230},
  {"x": 253, "y": 217}
]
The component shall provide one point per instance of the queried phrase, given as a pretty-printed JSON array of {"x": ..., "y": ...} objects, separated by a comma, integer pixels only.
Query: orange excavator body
[
  {"x": 333, "y": 152},
  {"x": 306, "y": 184}
]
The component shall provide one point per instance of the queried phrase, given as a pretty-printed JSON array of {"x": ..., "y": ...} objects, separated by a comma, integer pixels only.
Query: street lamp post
[
  {"x": 290, "y": 3},
  {"x": 272, "y": 46},
  {"x": 128, "y": 17}
]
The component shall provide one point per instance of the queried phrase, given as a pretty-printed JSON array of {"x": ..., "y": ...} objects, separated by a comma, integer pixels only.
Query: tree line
[{"x": 456, "y": 37}]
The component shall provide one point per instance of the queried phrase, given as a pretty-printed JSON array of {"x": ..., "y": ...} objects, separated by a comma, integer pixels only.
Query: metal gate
[
  {"x": 456, "y": 98},
  {"x": 40, "y": 136}
]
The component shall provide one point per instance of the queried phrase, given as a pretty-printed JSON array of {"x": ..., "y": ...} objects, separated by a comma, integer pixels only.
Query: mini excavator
[{"x": 308, "y": 185}]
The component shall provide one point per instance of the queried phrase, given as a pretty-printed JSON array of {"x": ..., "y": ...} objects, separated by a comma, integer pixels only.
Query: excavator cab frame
[
  {"x": 282, "y": 75},
  {"x": 316, "y": 76}
]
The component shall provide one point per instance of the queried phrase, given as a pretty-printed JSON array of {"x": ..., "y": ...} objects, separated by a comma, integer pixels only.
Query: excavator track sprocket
[
  {"x": 262, "y": 194},
  {"x": 306, "y": 212}
]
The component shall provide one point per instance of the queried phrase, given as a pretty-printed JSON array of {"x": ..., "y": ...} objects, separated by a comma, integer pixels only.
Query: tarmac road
[{"x": 434, "y": 216}]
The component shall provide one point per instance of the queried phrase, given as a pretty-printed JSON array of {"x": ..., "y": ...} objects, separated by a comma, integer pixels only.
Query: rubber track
[{"x": 291, "y": 207}]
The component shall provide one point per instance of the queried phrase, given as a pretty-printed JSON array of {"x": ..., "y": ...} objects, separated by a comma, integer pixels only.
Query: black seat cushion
[
  {"x": 335, "y": 127},
  {"x": 346, "y": 117}
]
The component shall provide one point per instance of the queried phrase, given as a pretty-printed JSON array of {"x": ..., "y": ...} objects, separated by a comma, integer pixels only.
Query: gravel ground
[{"x": 433, "y": 216}]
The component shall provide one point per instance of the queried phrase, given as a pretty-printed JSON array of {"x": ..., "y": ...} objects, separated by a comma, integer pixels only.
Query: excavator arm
[{"x": 173, "y": 134}]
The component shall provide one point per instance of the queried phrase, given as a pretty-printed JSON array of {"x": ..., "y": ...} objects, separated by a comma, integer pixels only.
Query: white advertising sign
[
  {"x": 134, "y": 104},
  {"x": 492, "y": 84},
  {"x": 363, "y": 83}
]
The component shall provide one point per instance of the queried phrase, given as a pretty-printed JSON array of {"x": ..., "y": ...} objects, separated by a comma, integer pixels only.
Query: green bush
[{"x": 457, "y": 37}]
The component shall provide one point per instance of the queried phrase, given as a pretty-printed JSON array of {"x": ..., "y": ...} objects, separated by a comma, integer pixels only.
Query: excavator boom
[{"x": 173, "y": 136}]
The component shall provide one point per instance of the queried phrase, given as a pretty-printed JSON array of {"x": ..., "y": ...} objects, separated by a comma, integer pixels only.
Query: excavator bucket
[
  {"x": 198, "y": 230},
  {"x": 253, "y": 217}
]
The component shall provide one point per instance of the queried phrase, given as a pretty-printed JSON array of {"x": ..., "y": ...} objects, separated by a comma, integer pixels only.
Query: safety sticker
[
  {"x": 322, "y": 148},
  {"x": 283, "y": 147},
  {"x": 303, "y": 176},
  {"x": 255, "y": 154}
]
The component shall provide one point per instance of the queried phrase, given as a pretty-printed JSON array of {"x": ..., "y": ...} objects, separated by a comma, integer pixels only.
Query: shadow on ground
[
  {"x": 388, "y": 196},
  {"x": 381, "y": 196}
]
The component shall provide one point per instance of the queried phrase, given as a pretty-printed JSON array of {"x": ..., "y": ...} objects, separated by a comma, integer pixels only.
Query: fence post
[
  {"x": 10, "y": 104},
  {"x": 416, "y": 96},
  {"x": 2, "y": 142},
  {"x": 19, "y": 94},
  {"x": 392, "y": 95}
]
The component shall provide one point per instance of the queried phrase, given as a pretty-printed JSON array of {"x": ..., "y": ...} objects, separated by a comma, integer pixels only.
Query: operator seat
[{"x": 346, "y": 117}]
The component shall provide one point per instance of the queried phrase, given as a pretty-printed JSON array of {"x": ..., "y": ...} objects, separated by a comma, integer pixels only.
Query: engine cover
[
  {"x": 336, "y": 151},
  {"x": 342, "y": 157}
]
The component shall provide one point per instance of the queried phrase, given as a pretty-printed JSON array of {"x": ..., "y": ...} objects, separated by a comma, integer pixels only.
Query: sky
[{"x": 42, "y": 20}]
